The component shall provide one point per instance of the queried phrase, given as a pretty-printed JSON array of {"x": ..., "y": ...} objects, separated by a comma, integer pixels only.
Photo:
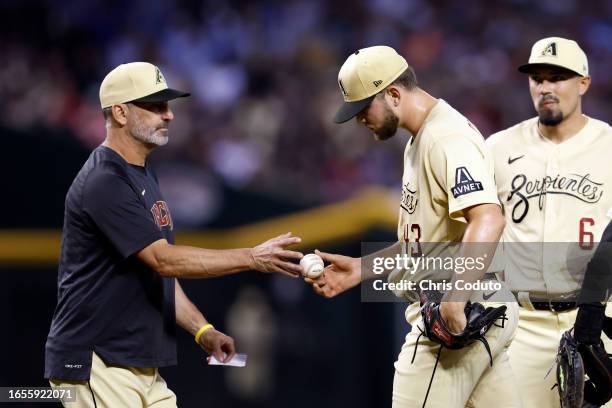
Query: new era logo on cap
[{"x": 377, "y": 83}]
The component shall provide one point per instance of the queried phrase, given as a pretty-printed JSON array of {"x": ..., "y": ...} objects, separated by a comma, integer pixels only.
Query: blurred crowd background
[
  {"x": 263, "y": 79},
  {"x": 256, "y": 140}
]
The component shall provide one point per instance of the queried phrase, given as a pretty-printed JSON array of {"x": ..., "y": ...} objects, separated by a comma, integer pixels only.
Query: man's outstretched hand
[
  {"x": 342, "y": 274},
  {"x": 273, "y": 256}
]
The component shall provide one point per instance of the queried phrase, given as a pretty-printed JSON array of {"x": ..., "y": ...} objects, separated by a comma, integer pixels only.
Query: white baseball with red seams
[{"x": 313, "y": 265}]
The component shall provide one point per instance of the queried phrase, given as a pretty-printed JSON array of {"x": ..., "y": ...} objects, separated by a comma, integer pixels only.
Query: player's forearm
[
  {"x": 479, "y": 242},
  {"x": 187, "y": 314},
  {"x": 190, "y": 262}
]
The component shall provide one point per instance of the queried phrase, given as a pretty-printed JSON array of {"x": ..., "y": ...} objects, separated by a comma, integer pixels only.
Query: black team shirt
[{"x": 107, "y": 300}]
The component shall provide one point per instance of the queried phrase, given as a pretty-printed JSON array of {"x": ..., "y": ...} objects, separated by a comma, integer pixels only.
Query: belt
[
  {"x": 553, "y": 306},
  {"x": 559, "y": 303}
]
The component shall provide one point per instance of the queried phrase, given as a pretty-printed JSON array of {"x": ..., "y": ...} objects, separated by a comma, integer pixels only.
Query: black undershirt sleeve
[{"x": 596, "y": 288}]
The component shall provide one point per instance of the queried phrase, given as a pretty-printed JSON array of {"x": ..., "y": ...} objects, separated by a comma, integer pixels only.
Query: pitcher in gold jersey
[{"x": 448, "y": 197}]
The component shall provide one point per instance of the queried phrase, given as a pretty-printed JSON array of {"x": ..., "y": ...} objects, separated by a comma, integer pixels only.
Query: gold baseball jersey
[
  {"x": 447, "y": 168},
  {"x": 555, "y": 199}
]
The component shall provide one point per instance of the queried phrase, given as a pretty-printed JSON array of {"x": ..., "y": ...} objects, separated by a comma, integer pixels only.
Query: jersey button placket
[{"x": 550, "y": 212}]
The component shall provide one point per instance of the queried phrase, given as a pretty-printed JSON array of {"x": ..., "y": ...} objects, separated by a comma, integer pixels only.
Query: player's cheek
[{"x": 534, "y": 97}]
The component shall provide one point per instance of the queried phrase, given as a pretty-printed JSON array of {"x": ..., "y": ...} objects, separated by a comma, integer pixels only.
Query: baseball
[{"x": 313, "y": 265}]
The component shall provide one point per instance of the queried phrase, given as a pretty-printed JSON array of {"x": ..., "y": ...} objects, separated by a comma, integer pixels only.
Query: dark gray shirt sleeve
[{"x": 116, "y": 209}]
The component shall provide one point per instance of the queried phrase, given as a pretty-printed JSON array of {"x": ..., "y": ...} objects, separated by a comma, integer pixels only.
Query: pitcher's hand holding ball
[{"x": 343, "y": 273}]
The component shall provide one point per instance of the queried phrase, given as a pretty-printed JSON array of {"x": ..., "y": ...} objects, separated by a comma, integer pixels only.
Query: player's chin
[
  {"x": 550, "y": 117},
  {"x": 383, "y": 136},
  {"x": 160, "y": 138}
]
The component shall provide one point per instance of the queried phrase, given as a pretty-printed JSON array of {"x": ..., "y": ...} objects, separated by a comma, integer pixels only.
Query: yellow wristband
[{"x": 201, "y": 331}]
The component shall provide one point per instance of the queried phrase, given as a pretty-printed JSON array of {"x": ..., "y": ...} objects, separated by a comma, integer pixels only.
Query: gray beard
[{"x": 142, "y": 133}]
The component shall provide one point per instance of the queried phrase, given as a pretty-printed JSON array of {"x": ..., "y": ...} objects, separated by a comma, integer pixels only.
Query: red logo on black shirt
[{"x": 161, "y": 214}]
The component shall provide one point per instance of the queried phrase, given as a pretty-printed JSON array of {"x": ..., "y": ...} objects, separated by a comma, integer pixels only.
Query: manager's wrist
[
  {"x": 201, "y": 331},
  {"x": 251, "y": 261}
]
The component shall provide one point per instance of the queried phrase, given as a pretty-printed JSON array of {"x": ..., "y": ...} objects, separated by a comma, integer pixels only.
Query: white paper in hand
[{"x": 239, "y": 360}]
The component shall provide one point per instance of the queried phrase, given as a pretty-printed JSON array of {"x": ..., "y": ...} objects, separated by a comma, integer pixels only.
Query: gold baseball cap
[
  {"x": 559, "y": 52},
  {"x": 364, "y": 74},
  {"x": 136, "y": 82}
]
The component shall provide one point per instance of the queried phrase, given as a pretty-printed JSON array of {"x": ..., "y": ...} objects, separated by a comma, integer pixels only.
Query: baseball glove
[
  {"x": 574, "y": 361},
  {"x": 570, "y": 373},
  {"x": 479, "y": 321}
]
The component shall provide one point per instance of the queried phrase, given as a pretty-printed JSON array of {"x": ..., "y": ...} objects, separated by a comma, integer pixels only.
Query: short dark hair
[
  {"x": 407, "y": 79},
  {"x": 107, "y": 112}
]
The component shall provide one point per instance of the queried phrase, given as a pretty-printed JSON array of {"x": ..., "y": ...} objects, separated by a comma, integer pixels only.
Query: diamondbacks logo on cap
[
  {"x": 550, "y": 50},
  {"x": 377, "y": 83},
  {"x": 159, "y": 77},
  {"x": 342, "y": 88},
  {"x": 464, "y": 183}
]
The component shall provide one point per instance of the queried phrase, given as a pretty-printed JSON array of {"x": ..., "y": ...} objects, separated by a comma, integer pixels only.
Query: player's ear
[
  {"x": 394, "y": 95},
  {"x": 585, "y": 82},
  {"x": 120, "y": 113}
]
